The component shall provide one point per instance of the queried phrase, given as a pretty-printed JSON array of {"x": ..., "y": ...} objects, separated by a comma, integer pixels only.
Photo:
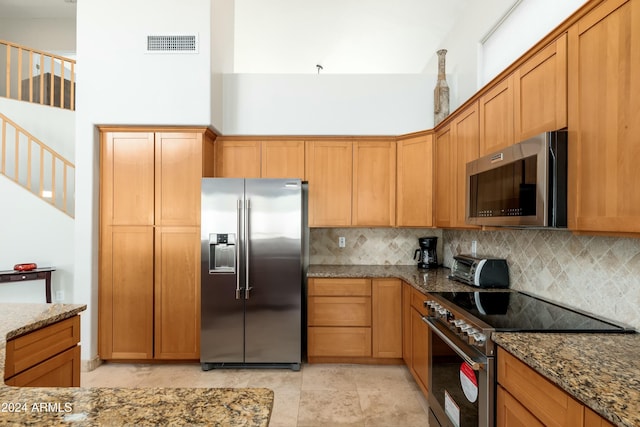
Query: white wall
[
  {"x": 54, "y": 127},
  {"x": 222, "y": 54},
  {"x": 34, "y": 232},
  {"x": 53, "y": 35},
  {"x": 330, "y": 104},
  {"x": 531, "y": 20},
  {"x": 118, "y": 83}
]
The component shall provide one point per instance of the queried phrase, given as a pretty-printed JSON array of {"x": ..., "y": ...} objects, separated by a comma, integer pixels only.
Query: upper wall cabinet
[
  {"x": 282, "y": 159},
  {"x": 414, "y": 201},
  {"x": 241, "y": 158},
  {"x": 604, "y": 119},
  {"x": 540, "y": 90},
  {"x": 444, "y": 178},
  {"x": 465, "y": 135},
  {"x": 329, "y": 170},
  {"x": 496, "y": 117},
  {"x": 237, "y": 159},
  {"x": 374, "y": 183}
]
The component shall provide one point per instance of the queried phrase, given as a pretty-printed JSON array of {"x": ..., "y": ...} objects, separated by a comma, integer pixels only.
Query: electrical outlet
[
  {"x": 59, "y": 295},
  {"x": 342, "y": 242},
  {"x": 474, "y": 247}
]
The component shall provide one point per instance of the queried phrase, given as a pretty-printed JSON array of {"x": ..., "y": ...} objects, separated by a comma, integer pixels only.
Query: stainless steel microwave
[{"x": 524, "y": 185}]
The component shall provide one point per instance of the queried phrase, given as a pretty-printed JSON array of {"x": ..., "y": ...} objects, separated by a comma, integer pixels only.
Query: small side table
[{"x": 36, "y": 274}]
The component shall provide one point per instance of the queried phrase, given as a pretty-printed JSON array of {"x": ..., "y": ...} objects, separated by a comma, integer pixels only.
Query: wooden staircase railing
[
  {"x": 36, "y": 76},
  {"x": 36, "y": 167}
]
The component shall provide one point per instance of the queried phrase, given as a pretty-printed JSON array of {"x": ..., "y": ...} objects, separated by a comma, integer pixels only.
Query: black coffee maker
[{"x": 426, "y": 255}]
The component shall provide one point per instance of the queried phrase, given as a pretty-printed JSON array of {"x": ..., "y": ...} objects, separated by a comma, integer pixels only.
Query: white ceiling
[{"x": 292, "y": 36}]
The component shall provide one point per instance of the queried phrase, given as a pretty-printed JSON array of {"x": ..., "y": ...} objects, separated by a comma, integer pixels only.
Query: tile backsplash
[{"x": 600, "y": 275}]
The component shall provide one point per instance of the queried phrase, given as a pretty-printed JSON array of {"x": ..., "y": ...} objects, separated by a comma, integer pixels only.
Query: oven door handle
[{"x": 475, "y": 364}]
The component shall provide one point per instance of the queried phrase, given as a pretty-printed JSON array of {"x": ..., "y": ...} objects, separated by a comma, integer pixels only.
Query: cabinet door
[
  {"x": 374, "y": 183},
  {"x": 339, "y": 342},
  {"x": 386, "y": 304},
  {"x": 329, "y": 167},
  {"x": 420, "y": 349},
  {"x": 604, "y": 70},
  {"x": 127, "y": 178},
  {"x": 238, "y": 159},
  {"x": 283, "y": 159},
  {"x": 444, "y": 187},
  {"x": 591, "y": 419},
  {"x": 177, "y": 293},
  {"x": 178, "y": 173},
  {"x": 406, "y": 324},
  {"x": 540, "y": 91},
  {"x": 415, "y": 182},
  {"x": 62, "y": 370},
  {"x": 511, "y": 413},
  {"x": 126, "y": 293},
  {"x": 339, "y": 311},
  {"x": 465, "y": 141},
  {"x": 548, "y": 403},
  {"x": 496, "y": 117}
]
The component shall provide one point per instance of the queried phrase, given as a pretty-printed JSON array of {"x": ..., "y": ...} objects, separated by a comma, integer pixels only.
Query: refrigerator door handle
[
  {"x": 239, "y": 214},
  {"x": 247, "y": 239}
]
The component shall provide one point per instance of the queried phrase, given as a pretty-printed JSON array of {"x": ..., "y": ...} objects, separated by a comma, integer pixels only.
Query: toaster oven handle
[{"x": 475, "y": 364}]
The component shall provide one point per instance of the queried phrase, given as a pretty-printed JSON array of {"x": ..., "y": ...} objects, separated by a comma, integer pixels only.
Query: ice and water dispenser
[{"x": 222, "y": 253}]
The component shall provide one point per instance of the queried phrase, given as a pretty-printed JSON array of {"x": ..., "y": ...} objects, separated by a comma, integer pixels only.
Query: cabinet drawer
[
  {"x": 340, "y": 287},
  {"x": 417, "y": 301},
  {"x": 339, "y": 311},
  {"x": 62, "y": 370},
  {"x": 348, "y": 342},
  {"x": 33, "y": 348},
  {"x": 547, "y": 402}
]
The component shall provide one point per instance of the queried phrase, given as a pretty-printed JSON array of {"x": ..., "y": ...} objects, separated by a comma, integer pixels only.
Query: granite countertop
[
  {"x": 116, "y": 406},
  {"x": 600, "y": 370}
]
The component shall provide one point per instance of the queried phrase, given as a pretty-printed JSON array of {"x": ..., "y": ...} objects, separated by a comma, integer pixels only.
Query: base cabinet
[
  {"x": 419, "y": 366},
  {"x": 47, "y": 357},
  {"x": 354, "y": 320},
  {"x": 526, "y": 398}
]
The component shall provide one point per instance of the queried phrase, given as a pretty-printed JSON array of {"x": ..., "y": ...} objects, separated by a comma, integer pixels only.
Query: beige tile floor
[{"x": 318, "y": 395}]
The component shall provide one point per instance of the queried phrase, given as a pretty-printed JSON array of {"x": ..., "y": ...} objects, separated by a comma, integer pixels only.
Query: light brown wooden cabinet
[
  {"x": 374, "y": 183},
  {"x": 386, "y": 301},
  {"x": 414, "y": 200},
  {"x": 465, "y": 134},
  {"x": 604, "y": 128},
  {"x": 338, "y": 318},
  {"x": 419, "y": 366},
  {"x": 329, "y": 169},
  {"x": 406, "y": 323},
  {"x": 496, "y": 117},
  {"x": 526, "y": 398},
  {"x": 354, "y": 320},
  {"x": 47, "y": 357},
  {"x": 149, "y": 291},
  {"x": 444, "y": 178},
  {"x": 248, "y": 158},
  {"x": 540, "y": 91}
]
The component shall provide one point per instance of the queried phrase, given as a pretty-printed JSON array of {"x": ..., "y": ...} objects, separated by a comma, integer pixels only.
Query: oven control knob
[
  {"x": 477, "y": 339},
  {"x": 469, "y": 332}
]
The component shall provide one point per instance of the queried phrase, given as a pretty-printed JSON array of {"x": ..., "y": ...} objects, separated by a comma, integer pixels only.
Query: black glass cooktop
[{"x": 517, "y": 311}]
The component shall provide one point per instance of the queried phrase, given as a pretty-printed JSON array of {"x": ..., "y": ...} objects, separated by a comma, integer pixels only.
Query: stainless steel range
[{"x": 462, "y": 380}]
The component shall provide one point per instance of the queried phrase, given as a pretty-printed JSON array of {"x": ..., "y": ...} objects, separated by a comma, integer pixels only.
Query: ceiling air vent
[{"x": 172, "y": 43}]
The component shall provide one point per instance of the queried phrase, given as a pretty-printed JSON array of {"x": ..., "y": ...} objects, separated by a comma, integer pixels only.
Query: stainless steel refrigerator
[{"x": 254, "y": 256}]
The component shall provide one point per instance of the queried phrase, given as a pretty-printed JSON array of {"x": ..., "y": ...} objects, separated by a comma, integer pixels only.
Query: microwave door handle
[{"x": 475, "y": 365}]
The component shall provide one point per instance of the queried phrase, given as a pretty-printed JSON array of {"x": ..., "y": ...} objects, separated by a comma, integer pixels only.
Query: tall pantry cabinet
[{"x": 149, "y": 291}]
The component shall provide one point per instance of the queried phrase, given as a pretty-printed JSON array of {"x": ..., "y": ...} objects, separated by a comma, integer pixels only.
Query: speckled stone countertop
[
  {"x": 600, "y": 370},
  {"x": 117, "y": 406}
]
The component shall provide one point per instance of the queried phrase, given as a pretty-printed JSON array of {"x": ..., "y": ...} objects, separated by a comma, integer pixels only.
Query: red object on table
[{"x": 25, "y": 267}]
